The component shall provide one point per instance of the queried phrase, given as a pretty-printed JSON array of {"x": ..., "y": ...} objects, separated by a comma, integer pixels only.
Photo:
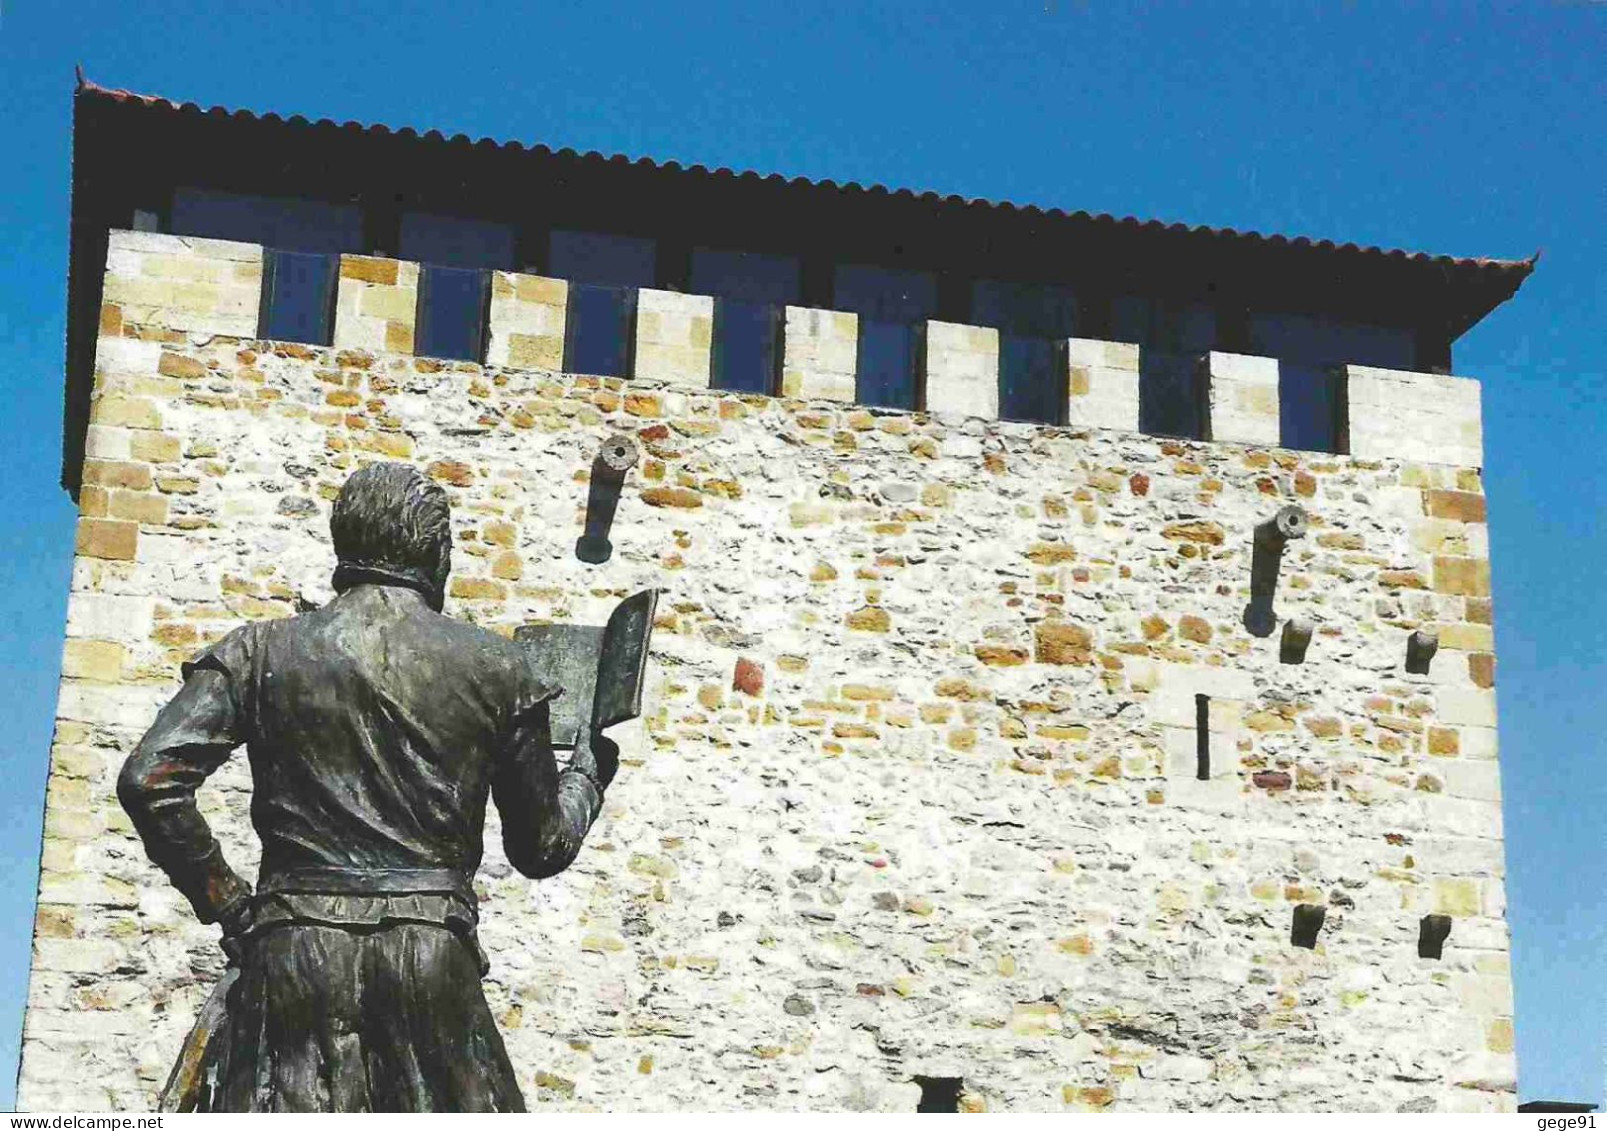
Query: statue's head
[{"x": 392, "y": 525}]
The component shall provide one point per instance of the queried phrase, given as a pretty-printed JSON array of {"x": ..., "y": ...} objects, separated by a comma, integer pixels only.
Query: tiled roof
[{"x": 1515, "y": 268}]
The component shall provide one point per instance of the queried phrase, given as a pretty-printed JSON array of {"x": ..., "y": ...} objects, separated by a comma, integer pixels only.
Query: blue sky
[{"x": 1466, "y": 129}]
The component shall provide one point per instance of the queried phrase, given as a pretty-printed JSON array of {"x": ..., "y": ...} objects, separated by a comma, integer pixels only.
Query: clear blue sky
[{"x": 1452, "y": 128}]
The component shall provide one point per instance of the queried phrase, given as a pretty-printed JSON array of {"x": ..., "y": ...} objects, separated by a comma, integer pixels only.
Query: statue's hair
[{"x": 392, "y": 525}]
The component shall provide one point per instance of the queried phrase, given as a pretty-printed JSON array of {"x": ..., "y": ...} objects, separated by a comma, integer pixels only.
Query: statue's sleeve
[
  {"x": 546, "y": 812},
  {"x": 192, "y": 736}
]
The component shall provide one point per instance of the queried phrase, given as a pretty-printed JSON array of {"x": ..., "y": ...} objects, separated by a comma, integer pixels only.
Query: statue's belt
[{"x": 333, "y": 880}]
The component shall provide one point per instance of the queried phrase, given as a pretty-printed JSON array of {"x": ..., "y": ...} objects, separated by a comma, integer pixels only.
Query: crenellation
[
  {"x": 526, "y": 321},
  {"x": 376, "y": 304},
  {"x": 674, "y": 338},
  {"x": 1415, "y": 416},
  {"x": 162, "y": 286},
  {"x": 1102, "y": 384},
  {"x": 1243, "y": 405},
  {"x": 962, "y": 370},
  {"x": 819, "y": 360}
]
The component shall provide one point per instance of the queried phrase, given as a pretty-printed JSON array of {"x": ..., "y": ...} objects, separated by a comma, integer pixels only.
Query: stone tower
[{"x": 966, "y": 776}]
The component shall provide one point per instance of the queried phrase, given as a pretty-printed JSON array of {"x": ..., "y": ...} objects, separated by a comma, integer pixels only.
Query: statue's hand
[
  {"x": 606, "y": 751},
  {"x": 236, "y": 922},
  {"x": 597, "y": 758}
]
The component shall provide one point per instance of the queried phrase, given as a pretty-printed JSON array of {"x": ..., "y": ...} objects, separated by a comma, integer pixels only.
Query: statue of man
[{"x": 375, "y": 727}]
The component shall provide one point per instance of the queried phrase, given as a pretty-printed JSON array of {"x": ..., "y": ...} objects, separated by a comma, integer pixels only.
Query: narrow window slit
[
  {"x": 940, "y": 1094},
  {"x": 1307, "y": 923},
  {"x": 1202, "y": 737}
]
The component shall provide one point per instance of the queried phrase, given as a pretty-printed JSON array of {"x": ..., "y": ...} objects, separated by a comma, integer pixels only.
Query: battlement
[{"x": 168, "y": 284}]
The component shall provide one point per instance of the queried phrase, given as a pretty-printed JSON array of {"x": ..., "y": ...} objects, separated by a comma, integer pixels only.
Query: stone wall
[{"x": 915, "y": 792}]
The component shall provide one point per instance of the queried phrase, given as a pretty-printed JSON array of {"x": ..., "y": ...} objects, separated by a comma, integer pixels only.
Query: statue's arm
[
  {"x": 192, "y": 736},
  {"x": 546, "y": 812}
]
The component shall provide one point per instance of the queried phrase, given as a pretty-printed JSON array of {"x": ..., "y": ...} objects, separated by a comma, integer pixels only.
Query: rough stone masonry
[{"x": 917, "y": 790}]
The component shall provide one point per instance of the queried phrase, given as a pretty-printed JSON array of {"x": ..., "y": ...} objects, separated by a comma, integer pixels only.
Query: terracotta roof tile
[{"x": 1521, "y": 267}]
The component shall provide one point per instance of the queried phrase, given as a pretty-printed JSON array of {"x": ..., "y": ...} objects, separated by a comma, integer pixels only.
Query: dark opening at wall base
[{"x": 939, "y": 1094}]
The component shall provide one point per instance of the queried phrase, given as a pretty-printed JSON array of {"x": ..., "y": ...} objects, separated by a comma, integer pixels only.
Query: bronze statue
[{"x": 376, "y": 727}]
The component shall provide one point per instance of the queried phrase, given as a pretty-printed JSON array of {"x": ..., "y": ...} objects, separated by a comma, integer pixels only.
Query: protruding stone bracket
[
  {"x": 1420, "y": 648},
  {"x": 615, "y": 458},
  {"x": 1271, "y": 537},
  {"x": 1296, "y": 639},
  {"x": 1308, "y": 923},
  {"x": 1432, "y": 931}
]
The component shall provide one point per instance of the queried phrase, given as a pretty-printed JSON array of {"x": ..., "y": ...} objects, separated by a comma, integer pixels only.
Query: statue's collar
[{"x": 349, "y": 575}]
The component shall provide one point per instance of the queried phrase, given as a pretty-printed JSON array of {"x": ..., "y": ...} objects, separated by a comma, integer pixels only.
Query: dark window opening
[
  {"x": 302, "y": 242},
  {"x": 893, "y": 307},
  {"x": 1172, "y": 338},
  {"x": 452, "y": 313},
  {"x": 602, "y": 259},
  {"x": 1432, "y": 352},
  {"x": 1171, "y": 396},
  {"x": 457, "y": 256},
  {"x": 1202, "y": 737},
  {"x": 1311, "y": 354},
  {"x": 604, "y": 273},
  {"x": 1310, "y": 407},
  {"x": 939, "y": 1094},
  {"x": 750, "y": 292},
  {"x": 747, "y": 345},
  {"x": 597, "y": 330},
  {"x": 1033, "y": 319},
  {"x": 298, "y": 296},
  {"x": 1308, "y": 920},
  {"x": 272, "y": 221},
  {"x": 453, "y": 241}
]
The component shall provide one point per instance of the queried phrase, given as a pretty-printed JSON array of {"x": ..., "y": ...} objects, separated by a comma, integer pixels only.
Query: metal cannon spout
[
  {"x": 615, "y": 458},
  {"x": 1282, "y": 528},
  {"x": 1271, "y": 536}
]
